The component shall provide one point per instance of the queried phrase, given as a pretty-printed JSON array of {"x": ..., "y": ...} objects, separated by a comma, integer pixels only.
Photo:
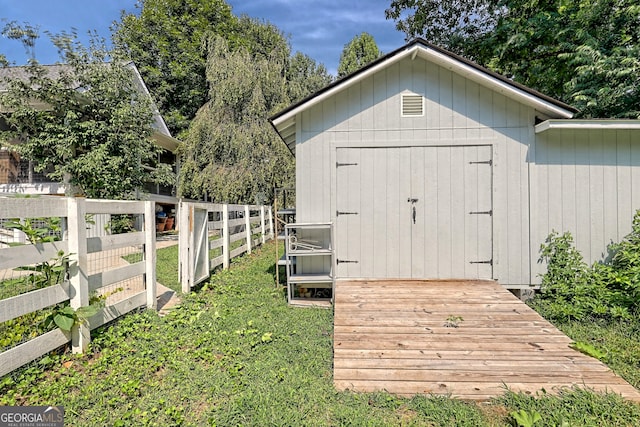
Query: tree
[
  {"x": 231, "y": 152},
  {"x": 360, "y": 51},
  {"x": 26, "y": 33},
  {"x": 167, "y": 43},
  {"x": 304, "y": 76},
  {"x": 449, "y": 24},
  {"x": 583, "y": 52},
  {"x": 89, "y": 126}
]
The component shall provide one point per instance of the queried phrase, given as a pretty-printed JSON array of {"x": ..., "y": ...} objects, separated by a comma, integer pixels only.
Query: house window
[{"x": 412, "y": 105}]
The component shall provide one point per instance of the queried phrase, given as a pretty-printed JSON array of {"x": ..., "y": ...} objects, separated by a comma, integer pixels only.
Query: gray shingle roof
[{"x": 22, "y": 73}]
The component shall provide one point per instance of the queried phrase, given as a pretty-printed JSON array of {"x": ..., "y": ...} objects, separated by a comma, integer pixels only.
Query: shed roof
[{"x": 285, "y": 121}]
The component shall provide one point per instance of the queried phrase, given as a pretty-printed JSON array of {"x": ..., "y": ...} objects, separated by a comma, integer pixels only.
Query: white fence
[
  {"x": 105, "y": 249},
  {"x": 95, "y": 266},
  {"x": 212, "y": 234}
]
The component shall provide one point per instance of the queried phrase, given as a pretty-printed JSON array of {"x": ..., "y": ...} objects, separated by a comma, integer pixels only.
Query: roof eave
[
  {"x": 165, "y": 141},
  {"x": 500, "y": 84},
  {"x": 587, "y": 124}
]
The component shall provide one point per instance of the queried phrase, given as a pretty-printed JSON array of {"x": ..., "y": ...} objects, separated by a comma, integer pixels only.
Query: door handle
[
  {"x": 410, "y": 200},
  {"x": 414, "y": 214}
]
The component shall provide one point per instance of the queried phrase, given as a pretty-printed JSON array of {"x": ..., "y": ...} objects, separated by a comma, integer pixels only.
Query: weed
[
  {"x": 526, "y": 418},
  {"x": 453, "y": 321},
  {"x": 589, "y": 350},
  {"x": 609, "y": 289}
]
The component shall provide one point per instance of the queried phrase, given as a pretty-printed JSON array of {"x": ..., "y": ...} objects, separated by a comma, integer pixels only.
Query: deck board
[{"x": 399, "y": 336}]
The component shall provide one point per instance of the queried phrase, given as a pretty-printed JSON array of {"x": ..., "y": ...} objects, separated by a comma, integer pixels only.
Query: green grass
[
  {"x": 618, "y": 340},
  {"x": 167, "y": 267},
  {"x": 234, "y": 353},
  {"x": 12, "y": 287}
]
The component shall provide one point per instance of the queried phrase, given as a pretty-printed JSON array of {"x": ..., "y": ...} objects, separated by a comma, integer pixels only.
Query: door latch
[{"x": 413, "y": 203}]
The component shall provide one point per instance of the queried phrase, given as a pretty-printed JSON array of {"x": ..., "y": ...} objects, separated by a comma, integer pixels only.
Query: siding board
[
  {"x": 596, "y": 184},
  {"x": 419, "y": 186},
  {"x": 610, "y": 194},
  {"x": 624, "y": 181},
  {"x": 393, "y": 197}
]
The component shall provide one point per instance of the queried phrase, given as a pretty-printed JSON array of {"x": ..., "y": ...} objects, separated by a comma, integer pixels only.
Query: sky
[{"x": 318, "y": 28}]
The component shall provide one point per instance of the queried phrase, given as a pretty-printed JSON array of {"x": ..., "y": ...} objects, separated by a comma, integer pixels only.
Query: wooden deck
[{"x": 460, "y": 338}]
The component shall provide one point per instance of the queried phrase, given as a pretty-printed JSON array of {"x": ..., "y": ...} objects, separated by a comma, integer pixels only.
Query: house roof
[
  {"x": 285, "y": 121},
  {"x": 161, "y": 134},
  {"x": 22, "y": 73}
]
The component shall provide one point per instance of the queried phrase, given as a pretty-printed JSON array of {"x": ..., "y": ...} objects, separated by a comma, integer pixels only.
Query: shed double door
[{"x": 414, "y": 212}]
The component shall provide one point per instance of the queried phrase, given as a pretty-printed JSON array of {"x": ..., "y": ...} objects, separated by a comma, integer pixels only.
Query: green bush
[{"x": 571, "y": 290}]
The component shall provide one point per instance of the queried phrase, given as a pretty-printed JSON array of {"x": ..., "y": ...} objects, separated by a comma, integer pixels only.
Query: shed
[{"x": 432, "y": 167}]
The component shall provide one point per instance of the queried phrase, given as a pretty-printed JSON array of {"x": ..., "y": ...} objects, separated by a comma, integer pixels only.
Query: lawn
[{"x": 234, "y": 353}]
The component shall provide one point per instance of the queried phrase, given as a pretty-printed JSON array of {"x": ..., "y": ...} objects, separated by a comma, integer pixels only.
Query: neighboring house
[
  {"x": 430, "y": 166},
  {"x": 18, "y": 176}
]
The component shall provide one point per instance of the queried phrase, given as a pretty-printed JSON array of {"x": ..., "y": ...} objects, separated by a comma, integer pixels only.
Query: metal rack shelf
[{"x": 309, "y": 260}]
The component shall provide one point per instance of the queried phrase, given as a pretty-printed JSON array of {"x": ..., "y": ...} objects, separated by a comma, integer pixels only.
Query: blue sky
[{"x": 319, "y": 28}]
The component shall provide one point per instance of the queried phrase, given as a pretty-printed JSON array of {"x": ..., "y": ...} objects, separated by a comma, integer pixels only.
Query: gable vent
[{"x": 412, "y": 106}]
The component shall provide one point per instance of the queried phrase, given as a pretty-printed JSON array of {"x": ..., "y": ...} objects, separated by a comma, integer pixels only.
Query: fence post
[
  {"x": 150, "y": 253},
  {"x": 225, "y": 236},
  {"x": 78, "y": 271},
  {"x": 184, "y": 246},
  {"x": 247, "y": 227},
  {"x": 262, "y": 224},
  {"x": 271, "y": 236}
]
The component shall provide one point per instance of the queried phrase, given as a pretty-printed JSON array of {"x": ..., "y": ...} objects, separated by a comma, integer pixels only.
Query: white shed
[{"x": 432, "y": 167}]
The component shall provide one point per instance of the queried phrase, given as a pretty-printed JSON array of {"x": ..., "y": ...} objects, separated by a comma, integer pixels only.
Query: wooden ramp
[{"x": 466, "y": 339}]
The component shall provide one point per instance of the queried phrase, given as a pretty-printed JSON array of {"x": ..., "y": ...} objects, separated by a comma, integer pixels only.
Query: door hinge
[
  {"x": 484, "y": 162},
  {"x": 346, "y": 261},
  {"x": 338, "y": 213},
  {"x": 490, "y": 213},
  {"x": 490, "y": 262},
  {"x": 338, "y": 164}
]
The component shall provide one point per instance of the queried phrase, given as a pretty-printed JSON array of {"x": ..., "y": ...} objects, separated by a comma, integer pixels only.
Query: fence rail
[
  {"x": 209, "y": 232},
  {"x": 93, "y": 266}
]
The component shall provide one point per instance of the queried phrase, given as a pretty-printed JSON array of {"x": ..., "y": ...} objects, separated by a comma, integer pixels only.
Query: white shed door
[{"x": 414, "y": 212}]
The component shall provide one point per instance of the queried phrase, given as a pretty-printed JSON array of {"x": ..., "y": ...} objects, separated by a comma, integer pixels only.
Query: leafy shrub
[{"x": 571, "y": 290}]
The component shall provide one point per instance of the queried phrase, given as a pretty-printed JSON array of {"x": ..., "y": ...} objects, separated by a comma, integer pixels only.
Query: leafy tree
[
  {"x": 583, "y": 52},
  {"x": 89, "y": 126},
  {"x": 217, "y": 79},
  {"x": 360, "y": 51},
  {"x": 231, "y": 153},
  {"x": 167, "y": 42},
  {"x": 26, "y": 33},
  {"x": 450, "y": 24},
  {"x": 304, "y": 77}
]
